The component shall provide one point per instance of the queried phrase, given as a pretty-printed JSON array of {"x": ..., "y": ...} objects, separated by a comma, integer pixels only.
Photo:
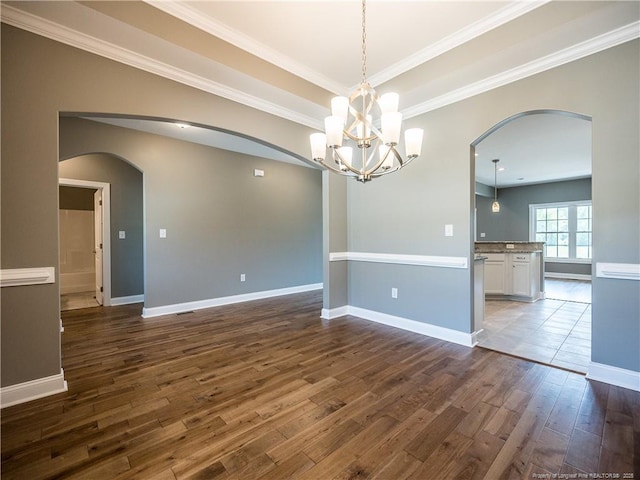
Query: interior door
[{"x": 97, "y": 210}]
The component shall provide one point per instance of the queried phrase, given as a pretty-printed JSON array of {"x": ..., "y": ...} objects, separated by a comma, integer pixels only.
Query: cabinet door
[
  {"x": 494, "y": 277},
  {"x": 521, "y": 276}
]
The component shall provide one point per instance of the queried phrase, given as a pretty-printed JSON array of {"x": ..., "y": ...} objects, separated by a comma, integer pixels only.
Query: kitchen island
[{"x": 513, "y": 270}]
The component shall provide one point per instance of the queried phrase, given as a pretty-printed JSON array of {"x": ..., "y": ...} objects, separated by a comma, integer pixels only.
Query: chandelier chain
[{"x": 364, "y": 42}]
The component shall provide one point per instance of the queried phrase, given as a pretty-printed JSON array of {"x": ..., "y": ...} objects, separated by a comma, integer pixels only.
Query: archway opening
[{"x": 537, "y": 247}]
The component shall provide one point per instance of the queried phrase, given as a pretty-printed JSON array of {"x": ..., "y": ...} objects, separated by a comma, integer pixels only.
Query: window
[{"x": 565, "y": 228}]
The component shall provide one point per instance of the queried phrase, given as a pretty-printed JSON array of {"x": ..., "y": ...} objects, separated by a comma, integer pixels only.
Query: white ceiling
[
  {"x": 537, "y": 148},
  {"x": 431, "y": 52}
]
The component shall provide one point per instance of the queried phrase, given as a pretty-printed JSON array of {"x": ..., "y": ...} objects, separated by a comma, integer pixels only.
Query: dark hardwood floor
[{"x": 267, "y": 390}]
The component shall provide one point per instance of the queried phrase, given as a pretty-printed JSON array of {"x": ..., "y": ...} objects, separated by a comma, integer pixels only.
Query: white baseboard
[
  {"x": 127, "y": 300},
  {"x": 567, "y": 276},
  {"x": 435, "y": 331},
  {"x": 331, "y": 313},
  {"x": 614, "y": 376},
  {"x": 32, "y": 390},
  {"x": 216, "y": 302}
]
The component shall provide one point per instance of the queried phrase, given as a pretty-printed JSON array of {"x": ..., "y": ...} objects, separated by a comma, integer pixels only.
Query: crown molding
[
  {"x": 195, "y": 18},
  {"x": 54, "y": 31},
  {"x": 562, "y": 57},
  {"x": 506, "y": 14}
]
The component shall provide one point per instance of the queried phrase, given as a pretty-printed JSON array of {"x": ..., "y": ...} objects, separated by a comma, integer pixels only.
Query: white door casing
[
  {"x": 104, "y": 236},
  {"x": 97, "y": 242}
]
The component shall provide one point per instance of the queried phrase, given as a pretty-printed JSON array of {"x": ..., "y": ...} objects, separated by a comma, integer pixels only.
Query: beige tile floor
[
  {"x": 555, "y": 331},
  {"x": 74, "y": 301}
]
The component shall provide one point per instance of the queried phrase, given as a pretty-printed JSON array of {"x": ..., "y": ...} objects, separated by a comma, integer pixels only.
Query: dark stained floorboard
[{"x": 268, "y": 390}]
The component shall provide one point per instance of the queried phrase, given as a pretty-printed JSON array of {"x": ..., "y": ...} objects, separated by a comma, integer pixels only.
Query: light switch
[
  {"x": 122, "y": 235},
  {"x": 482, "y": 234},
  {"x": 163, "y": 233},
  {"x": 448, "y": 230},
  {"x": 243, "y": 277},
  {"x": 394, "y": 292}
]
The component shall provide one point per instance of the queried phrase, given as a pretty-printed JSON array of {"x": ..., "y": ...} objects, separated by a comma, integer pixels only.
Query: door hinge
[
  {"x": 101, "y": 290},
  {"x": 100, "y": 202},
  {"x": 100, "y": 246}
]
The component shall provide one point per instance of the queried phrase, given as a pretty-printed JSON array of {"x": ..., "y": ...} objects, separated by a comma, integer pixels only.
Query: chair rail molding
[
  {"x": 621, "y": 271},
  {"x": 421, "y": 260},
  {"x": 19, "y": 277}
]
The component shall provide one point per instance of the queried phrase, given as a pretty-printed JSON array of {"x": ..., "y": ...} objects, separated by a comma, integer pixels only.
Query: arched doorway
[
  {"x": 121, "y": 246},
  {"x": 542, "y": 183}
]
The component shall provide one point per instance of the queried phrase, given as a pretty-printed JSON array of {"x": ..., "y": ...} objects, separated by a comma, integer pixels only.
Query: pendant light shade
[{"x": 495, "y": 206}]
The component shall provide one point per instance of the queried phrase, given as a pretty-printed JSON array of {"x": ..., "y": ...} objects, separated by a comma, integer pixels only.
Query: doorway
[
  {"x": 546, "y": 179},
  {"x": 85, "y": 274}
]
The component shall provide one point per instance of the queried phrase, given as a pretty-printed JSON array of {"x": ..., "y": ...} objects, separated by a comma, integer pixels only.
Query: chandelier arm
[
  {"x": 332, "y": 168},
  {"x": 342, "y": 162},
  {"x": 365, "y": 164},
  {"x": 375, "y": 170}
]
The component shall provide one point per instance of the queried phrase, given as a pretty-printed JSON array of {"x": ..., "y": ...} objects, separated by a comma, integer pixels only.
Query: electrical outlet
[
  {"x": 122, "y": 235},
  {"x": 394, "y": 292},
  {"x": 243, "y": 277},
  {"x": 163, "y": 233}
]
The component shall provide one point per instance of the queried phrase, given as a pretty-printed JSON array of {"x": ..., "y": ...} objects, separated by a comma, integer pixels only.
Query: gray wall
[
  {"x": 406, "y": 212},
  {"x": 512, "y": 222},
  {"x": 221, "y": 220},
  {"x": 127, "y": 262},
  {"x": 75, "y": 198},
  {"x": 70, "y": 80}
]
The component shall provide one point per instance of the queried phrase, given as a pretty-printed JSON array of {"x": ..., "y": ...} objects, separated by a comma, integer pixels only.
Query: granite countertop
[{"x": 501, "y": 247}]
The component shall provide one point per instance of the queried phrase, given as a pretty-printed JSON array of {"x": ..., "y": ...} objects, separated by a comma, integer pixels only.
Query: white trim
[
  {"x": 19, "y": 277},
  {"x": 504, "y": 15},
  {"x": 427, "y": 329},
  {"x": 210, "y": 25},
  {"x": 576, "y": 261},
  {"x": 32, "y": 390},
  {"x": 331, "y": 313},
  {"x": 421, "y": 260},
  {"x": 62, "y": 34},
  {"x": 622, "y": 271},
  {"x": 567, "y": 276},
  {"x": 106, "y": 229},
  {"x": 216, "y": 302},
  {"x": 127, "y": 300},
  {"x": 59, "y": 33},
  {"x": 218, "y": 29},
  {"x": 570, "y": 54},
  {"x": 614, "y": 376}
]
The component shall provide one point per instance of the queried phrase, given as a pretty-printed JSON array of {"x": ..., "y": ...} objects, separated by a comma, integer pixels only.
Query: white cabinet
[
  {"x": 521, "y": 280},
  {"x": 514, "y": 275},
  {"x": 494, "y": 277}
]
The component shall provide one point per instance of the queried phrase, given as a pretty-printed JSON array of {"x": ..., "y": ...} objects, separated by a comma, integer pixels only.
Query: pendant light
[{"x": 495, "y": 206}]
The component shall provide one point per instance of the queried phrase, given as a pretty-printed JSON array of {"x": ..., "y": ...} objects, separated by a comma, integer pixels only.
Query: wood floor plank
[{"x": 267, "y": 390}]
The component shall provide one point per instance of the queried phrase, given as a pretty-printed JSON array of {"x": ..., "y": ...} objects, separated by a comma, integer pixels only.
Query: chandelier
[{"x": 351, "y": 122}]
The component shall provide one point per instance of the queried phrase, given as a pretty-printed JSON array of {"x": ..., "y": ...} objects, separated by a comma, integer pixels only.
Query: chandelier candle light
[{"x": 354, "y": 125}]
